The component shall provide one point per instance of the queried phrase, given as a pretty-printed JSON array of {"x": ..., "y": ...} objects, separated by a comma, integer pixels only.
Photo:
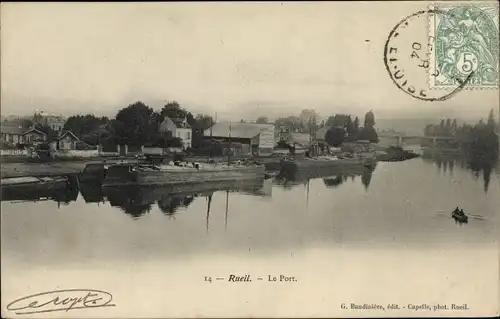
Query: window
[{"x": 188, "y": 135}]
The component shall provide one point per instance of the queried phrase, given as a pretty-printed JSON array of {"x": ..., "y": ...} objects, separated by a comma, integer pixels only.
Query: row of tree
[
  {"x": 450, "y": 128},
  {"x": 343, "y": 128},
  {"x": 136, "y": 125},
  {"x": 307, "y": 120},
  {"x": 479, "y": 141}
]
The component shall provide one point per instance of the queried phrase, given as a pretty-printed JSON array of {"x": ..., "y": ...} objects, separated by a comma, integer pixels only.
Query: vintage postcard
[{"x": 250, "y": 159}]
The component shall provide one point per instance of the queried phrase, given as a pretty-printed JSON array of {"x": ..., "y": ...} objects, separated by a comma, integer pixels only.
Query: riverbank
[
  {"x": 22, "y": 167},
  {"x": 396, "y": 154},
  {"x": 41, "y": 169}
]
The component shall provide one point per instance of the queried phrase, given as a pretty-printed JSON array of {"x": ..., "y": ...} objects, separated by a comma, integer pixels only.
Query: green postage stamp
[{"x": 464, "y": 39}]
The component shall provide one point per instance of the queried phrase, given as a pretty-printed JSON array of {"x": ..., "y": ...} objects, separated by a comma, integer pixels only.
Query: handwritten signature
[{"x": 61, "y": 300}]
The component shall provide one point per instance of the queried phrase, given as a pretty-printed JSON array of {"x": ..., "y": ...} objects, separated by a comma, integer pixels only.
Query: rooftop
[
  {"x": 13, "y": 130},
  {"x": 238, "y": 129}
]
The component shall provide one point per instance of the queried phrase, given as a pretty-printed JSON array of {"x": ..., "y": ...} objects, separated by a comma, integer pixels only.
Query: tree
[
  {"x": 454, "y": 126},
  {"x": 26, "y": 123},
  {"x": 350, "y": 126},
  {"x": 262, "y": 120},
  {"x": 136, "y": 124},
  {"x": 429, "y": 130},
  {"x": 369, "y": 120},
  {"x": 308, "y": 117},
  {"x": 369, "y": 134},
  {"x": 356, "y": 124},
  {"x": 335, "y": 136},
  {"x": 292, "y": 122},
  {"x": 491, "y": 121},
  {"x": 51, "y": 134},
  {"x": 85, "y": 125},
  {"x": 174, "y": 110},
  {"x": 202, "y": 123}
]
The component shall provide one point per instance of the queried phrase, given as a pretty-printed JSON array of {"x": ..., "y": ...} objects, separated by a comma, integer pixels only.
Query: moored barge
[
  {"x": 127, "y": 174},
  {"x": 17, "y": 188}
]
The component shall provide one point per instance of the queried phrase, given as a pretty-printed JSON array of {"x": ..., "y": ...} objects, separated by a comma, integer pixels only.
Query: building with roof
[
  {"x": 54, "y": 121},
  {"x": 67, "y": 141},
  {"x": 20, "y": 135},
  {"x": 173, "y": 127},
  {"x": 258, "y": 139}
]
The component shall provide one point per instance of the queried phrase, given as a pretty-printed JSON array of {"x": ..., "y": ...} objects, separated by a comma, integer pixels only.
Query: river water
[{"x": 381, "y": 237}]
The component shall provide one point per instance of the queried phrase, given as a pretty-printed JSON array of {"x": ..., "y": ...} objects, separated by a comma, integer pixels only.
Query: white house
[
  {"x": 172, "y": 127},
  {"x": 54, "y": 121}
]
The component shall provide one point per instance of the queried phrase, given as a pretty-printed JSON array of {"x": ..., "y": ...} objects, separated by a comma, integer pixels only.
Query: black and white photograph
[{"x": 250, "y": 159}]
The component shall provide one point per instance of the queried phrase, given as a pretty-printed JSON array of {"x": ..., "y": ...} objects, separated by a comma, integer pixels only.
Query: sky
[{"x": 240, "y": 60}]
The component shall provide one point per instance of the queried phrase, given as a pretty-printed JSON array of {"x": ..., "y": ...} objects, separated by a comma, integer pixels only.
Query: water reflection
[
  {"x": 170, "y": 205},
  {"x": 404, "y": 202},
  {"x": 137, "y": 201},
  {"x": 332, "y": 178},
  {"x": 477, "y": 165},
  {"x": 63, "y": 192},
  {"x": 91, "y": 192}
]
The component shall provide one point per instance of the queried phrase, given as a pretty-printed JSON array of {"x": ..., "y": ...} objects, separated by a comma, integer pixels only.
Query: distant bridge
[{"x": 400, "y": 138}]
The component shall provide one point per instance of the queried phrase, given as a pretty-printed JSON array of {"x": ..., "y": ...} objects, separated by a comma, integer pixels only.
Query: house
[
  {"x": 254, "y": 138},
  {"x": 66, "y": 141},
  {"x": 173, "y": 127},
  {"x": 54, "y": 121},
  {"x": 32, "y": 136},
  {"x": 13, "y": 135},
  {"x": 283, "y": 133},
  {"x": 19, "y": 135}
]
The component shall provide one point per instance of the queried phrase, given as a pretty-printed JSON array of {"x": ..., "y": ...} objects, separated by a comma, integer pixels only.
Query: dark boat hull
[
  {"x": 123, "y": 176},
  {"x": 33, "y": 191}
]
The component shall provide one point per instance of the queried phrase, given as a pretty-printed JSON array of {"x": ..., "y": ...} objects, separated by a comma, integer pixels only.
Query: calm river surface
[{"x": 390, "y": 230}]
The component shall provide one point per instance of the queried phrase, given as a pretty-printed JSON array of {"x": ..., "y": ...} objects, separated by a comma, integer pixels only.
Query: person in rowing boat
[{"x": 458, "y": 212}]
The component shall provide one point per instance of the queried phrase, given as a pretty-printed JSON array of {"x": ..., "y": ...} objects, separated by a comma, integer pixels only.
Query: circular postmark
[{"x": 408, "y": 59}]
